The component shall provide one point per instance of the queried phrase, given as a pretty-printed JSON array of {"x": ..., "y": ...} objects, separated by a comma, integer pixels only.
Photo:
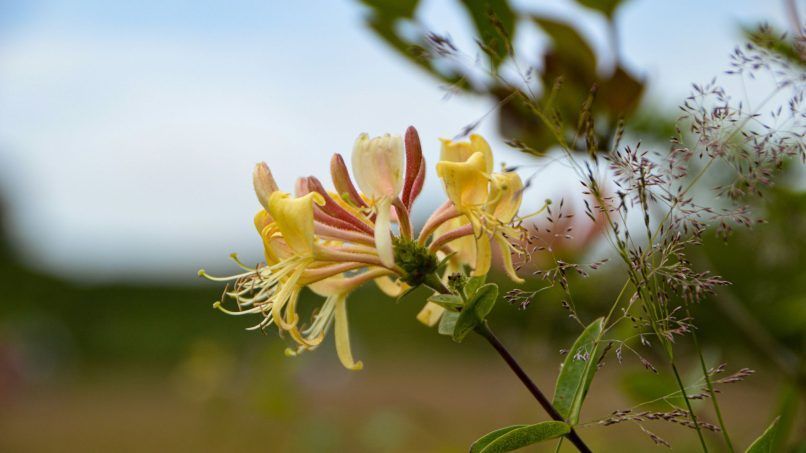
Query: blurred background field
[{"x": 127, "y": 137}]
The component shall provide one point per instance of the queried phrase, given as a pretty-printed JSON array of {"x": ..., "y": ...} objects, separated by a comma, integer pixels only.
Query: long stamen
[
  {"x": 203, "y": 273},
  {"x": 234, "y": 257}
]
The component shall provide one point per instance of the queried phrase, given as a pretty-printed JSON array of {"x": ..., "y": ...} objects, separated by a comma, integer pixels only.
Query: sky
[{"x": 129, "y": 130}]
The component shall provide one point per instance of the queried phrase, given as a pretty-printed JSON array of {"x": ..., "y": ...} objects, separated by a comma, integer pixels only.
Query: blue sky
[{"x": 128, "y": 130}]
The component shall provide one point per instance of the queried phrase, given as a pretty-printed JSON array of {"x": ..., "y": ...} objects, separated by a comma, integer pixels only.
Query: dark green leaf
[
  {"x": 475, "y": 311},
  {"x": 486, "y": 439},
  {"x": 447, "y": 323},
  {"x": 788, "y": 408},
  {"x": 765, "y": 443},
  {"x": 576, "y": 374},
  {"x": 473, "y": 284},
  {"x": 525, "y": 436}
]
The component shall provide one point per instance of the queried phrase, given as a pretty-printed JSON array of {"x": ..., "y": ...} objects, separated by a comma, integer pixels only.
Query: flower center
[{"x": 415, "y": 260}]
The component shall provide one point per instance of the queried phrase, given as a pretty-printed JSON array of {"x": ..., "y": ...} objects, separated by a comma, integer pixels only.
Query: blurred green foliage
[{"x": 559, "y": 83}]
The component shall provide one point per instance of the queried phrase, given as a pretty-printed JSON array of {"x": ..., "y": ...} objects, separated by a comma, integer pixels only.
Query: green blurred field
[{"x": 155, "y": 368}]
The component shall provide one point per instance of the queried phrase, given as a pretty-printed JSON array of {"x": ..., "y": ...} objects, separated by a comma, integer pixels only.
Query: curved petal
[
  {"x": 506, "y": 255},
  {"x": 466, "y": 183},
  {"x": 415, "y": 167},
  {"x": 461, "y": 151},
  {"x": 262, "y": 220},
  {"x": 343, "y": 337},
  {"x": 341, "y": 179},
  {"x": 506, "y": 193},
  {"x": 264, "y": 183},
  {"x": 483, "y": 255},
  {"x": 294, "y": 218}
]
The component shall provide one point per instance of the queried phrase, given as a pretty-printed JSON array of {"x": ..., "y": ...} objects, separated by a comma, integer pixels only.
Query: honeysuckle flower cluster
[{"x": 333, "y": 241}]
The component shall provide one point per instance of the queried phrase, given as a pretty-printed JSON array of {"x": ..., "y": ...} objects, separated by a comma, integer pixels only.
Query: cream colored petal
[
  {"x": 343, "y": 337},
  {"x": 391, "y": 288},
  {"x": 430, "y": 314},
  {"x": 383, "y": 233},
  {"x": 378, "y": 165}
]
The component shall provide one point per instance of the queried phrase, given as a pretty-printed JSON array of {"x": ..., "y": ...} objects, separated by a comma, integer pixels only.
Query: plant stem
[
  {"x": 722, "y": 426},
  {"x": 688, "y": 405},
  {"x": 484, "y": 330}
]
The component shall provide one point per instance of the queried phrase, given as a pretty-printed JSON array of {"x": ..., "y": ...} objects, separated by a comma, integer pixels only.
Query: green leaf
[
  {"x": 606, "y": 7},
  {"x": 447, "y": 323},
  {"x": 495, "y": 26},
  {"x": 576, "y": 375},
  {"x": 765, "y": 443},
  {"x": 447, "y": 300},
  {"x": 486, "y": 439},
  {"x": 475, "y": 311},
  {"x": 519, "y": 437},
  {"x": 473, "y": 284},
  {"x": 788, "y": 408}
]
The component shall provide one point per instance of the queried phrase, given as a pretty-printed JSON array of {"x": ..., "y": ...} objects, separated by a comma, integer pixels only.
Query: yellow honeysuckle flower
[
  {"x": 378, "y": 170},
  {"x": 490, "y": 201},
  {"x": 335, "y": 241}
]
